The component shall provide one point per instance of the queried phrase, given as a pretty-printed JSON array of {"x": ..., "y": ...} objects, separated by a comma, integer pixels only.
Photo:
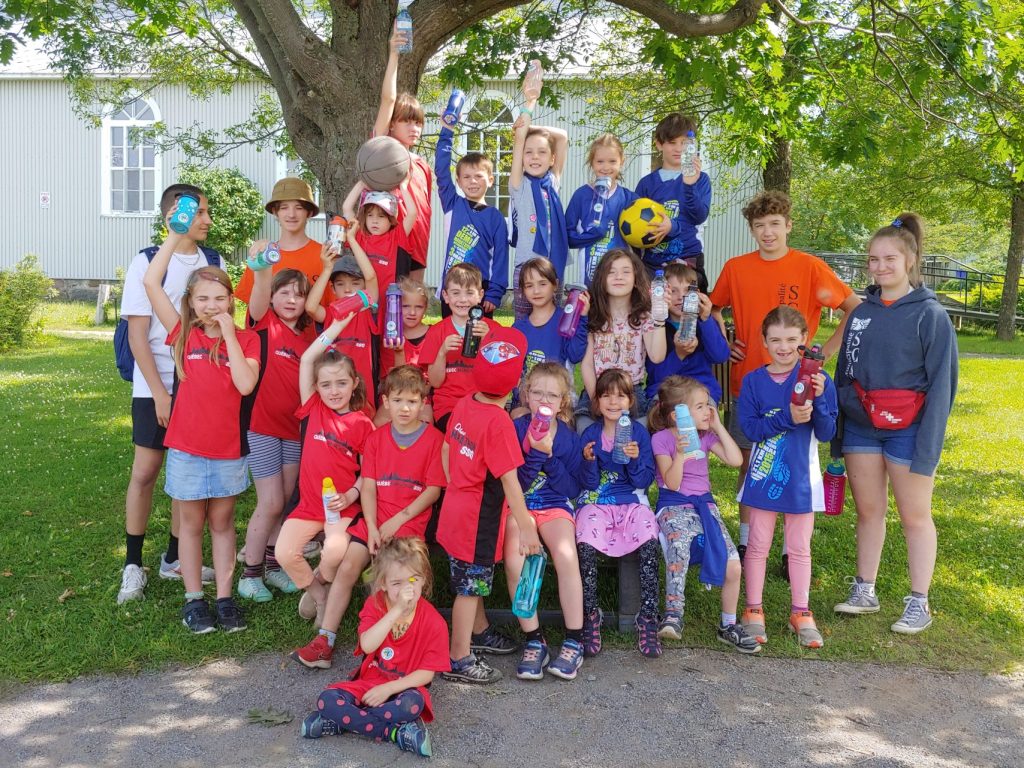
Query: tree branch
[{"x": 688, "y": 24}]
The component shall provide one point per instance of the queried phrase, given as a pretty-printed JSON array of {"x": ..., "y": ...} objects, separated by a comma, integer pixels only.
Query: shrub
[
  {"x": 989, "y": 297},
  {"x": 21, "y": 290},
  {"x": 236, "y": 207}
]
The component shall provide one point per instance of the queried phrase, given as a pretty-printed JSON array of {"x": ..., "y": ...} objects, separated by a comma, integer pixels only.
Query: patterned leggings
[
  {"x": 648, "y": 554},
  {"x": 680, "y": 526},
  {"x": 373, "y": 722}
]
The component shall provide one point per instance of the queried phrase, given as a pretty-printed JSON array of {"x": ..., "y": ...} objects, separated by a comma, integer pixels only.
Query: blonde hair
[
  {"x": 909, "y": 234},
  {"x": 555, "y": 371},
  {"x": 333, "y": 357},
  {"x": 413, "y": 288},
  {"x": 672, "y": 391},
  {"x": 603, "y": 141},
  {"x": 405, "y": 551},
  {"x": 189, "y": 320}
]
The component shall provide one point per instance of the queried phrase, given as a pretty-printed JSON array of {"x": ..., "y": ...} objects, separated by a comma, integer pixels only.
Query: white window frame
[
  {"x": 500, "y": 189},
  {"x": 282, "y": 169},
  {"x": 105, "y": 189}
]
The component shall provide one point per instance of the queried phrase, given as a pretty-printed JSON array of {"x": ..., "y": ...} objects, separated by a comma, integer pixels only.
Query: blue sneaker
[
  {"x": 535, "y": 658},
  {"x": 413, "y": 737},
  {"x": 314, "y": 726},
  {"x": 568, "y": 661}
]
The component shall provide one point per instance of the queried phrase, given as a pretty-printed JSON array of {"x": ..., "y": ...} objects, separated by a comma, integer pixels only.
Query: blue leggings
[{"x": 373, "y": 722}]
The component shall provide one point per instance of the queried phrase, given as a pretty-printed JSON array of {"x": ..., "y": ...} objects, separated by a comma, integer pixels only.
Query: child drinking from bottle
[
  {"x": 784, "y": 475},
  {"x": 549, "y": 478},
  {"x": 687, "y": 510},
  {"x": 404, "y": 642},
  {"x": 613, "y": 514},
  {"x": 217, "y": 365}
]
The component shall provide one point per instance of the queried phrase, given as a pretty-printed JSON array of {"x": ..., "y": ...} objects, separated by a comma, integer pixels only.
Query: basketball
[
  {"x": 382, "y": 163},
  {"x": 635, "y": 221}
]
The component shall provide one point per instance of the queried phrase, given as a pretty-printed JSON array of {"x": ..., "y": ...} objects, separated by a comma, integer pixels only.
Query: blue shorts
[
  {"x": 896, "y": 445},
  {"x": 470, "y": 579},
  {"x": 191, "y": 478}
]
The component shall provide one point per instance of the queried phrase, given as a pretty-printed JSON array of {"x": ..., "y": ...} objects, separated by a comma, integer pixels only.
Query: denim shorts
[
  {"x": 470, "y": 579},
  {"x": 191, "y": 478},
  {"x": 897, "y": 445}
]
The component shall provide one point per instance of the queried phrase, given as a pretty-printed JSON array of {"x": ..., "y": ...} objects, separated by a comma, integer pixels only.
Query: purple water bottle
[
  {"x": 184, "y": 213},
  {"x": 393, "y": 330},
  {"x": 571, "y": 313}
]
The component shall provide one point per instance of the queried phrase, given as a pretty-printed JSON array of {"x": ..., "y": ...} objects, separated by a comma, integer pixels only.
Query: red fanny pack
[{"x": 890, "y": 408}]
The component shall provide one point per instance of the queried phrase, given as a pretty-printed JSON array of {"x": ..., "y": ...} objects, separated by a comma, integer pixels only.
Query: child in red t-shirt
[
  {"x": 277, "y": 312},
  {"x": 403, "y": 640},
  {"x": 333, "y": 395},
  {"x": 217, "y": 366},
  {"x": 481, "y": 454},
  {"x": 384, "y": 238},
  {"x": 401, "y": 479}
]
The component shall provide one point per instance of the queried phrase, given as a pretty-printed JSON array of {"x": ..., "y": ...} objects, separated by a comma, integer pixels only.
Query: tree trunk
[
  {"x": 1006, "y": 325},
  {"x": 778, "y": 171}
]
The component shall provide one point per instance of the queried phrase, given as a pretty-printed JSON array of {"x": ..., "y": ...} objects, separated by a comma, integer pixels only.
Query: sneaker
[
  {"x": 280, "y": 581},
  {"x": 173, "y": 571},
  {"x": 317, "y": 654},
  {"x": 413, "y": 737},
  {"x": 473, "y": 670},
  {"x": 311, "y": 549},
  {"x": 647, "y": 637},
  {"x": 568, "y": 661},
  {"x": 742, "y": 550},
  {"x": 737, "y": 637},
  {"x": 253, "y": 588},
  {"x": 197, "y": 617},
  {"x": 592, "y": 632},
  {"x": 315, "y": 726},
  {"x": 229, "y": 615},
  {"x": 671, "y": 627},
  {"x": 535, "y": 658},
  {"x": 806, "y": 630},
  {"x": 862, "y": 598},
  {"x": 753, "y": 624},
  {"x": 784, "y": 567},
  {"x": 133, "y": 582},
  {"x": 917, "y": 616},
  {"x": 492, "y": 641}
]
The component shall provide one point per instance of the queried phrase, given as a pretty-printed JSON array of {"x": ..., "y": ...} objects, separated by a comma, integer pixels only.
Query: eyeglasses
[{"x": 545, "y": 397}]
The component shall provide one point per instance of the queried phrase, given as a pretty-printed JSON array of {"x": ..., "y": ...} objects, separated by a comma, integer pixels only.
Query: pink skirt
[{"x": 615, "y": 529}]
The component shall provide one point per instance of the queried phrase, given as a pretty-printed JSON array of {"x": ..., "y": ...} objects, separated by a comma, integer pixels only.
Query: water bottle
[
  {"x": 569, "y": 322},
  {"x": 685, "y": 426},
  {"x": 471, "y": 343},
  {"x": 534, "y": 77},
  {"x": 540, "y": 425},
  {"x": 834, "y": 481},
  {"x": 329, "y": 492},
  {"x": 453, "y": 112},
  {"x": 184, "y": 213},
  {"x": 810, "y": 364},
  {"x": 268, "y": 258},
  {"x": 403, "y": 23},
  {"x": 528, "y": 589},
  {"x": 393, "y": 330},
  {"x": 659, "y": 304},
  {"x": 336, "y": 233},
  {"x": 602, "y": 191},
  {"x": 690, "y": 154},
  {"x": 357, "y": 302},
  {"x": 623, "y": 435},
  {"x": 690, "y": 315}
]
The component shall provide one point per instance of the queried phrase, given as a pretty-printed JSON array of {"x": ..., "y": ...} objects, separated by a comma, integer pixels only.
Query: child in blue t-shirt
[{"x": 686, "y": 198}]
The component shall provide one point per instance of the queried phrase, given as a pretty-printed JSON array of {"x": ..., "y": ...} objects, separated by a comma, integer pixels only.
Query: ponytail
[{"x": 907, "y": 229}]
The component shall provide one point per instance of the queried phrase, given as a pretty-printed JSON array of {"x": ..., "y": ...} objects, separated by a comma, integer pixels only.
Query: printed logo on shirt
[
  {"x": 458, "y": 435},
  {"x": 203, "y": 353},
  {"x": 387, "y": 653},
  {"x": 463, "y": 243},
  {"x": 390, "y": 479},
  {"x": 538, "y": 482},
  {"x": 534, "y": 357},
  {"x": 350, "y": 341},
  {"x": 767, "y": 464},
  {"x": 334, "y": 442},
  {"x": 788, "y": 295},
  {"x": 857, "y": 327},
  {"x": 457, "y": 366},
  {"x": 287, "y": 352},
  {"x": 859, "y": 323}
]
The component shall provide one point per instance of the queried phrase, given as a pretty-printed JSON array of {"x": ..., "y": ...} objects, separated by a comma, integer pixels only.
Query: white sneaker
[
  {"x": 173, "y": 571},
  {"x": 133, "y": 582}
]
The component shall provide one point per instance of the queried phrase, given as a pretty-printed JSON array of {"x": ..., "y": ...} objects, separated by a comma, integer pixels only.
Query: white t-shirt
[{"x": 135, "y": 303}]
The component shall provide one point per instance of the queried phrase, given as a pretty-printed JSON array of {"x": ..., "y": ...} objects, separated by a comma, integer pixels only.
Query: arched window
[
  {"x": 131, "y": 166},
  {"x": 488, "y": 129}
]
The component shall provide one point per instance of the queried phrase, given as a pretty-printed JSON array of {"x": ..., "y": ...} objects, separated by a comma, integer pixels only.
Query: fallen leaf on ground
[
  {"x": 65, "y": 595},
  {"x": 270, "y": 717}
]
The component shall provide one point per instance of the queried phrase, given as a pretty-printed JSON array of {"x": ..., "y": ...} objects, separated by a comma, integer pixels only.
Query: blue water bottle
[
  {"x": 403, "y": 23},
  {"x": 268, "y": 258},
  {"x": 453, "y": 112},
  {"x": 685, "y": 426},
  {"x": 184, "y": 213},
  {"x": 623, "y": 436},
  {"x": 528, "y": 589}
]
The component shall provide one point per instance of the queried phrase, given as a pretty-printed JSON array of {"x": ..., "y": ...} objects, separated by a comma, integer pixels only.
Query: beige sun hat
[{"x": 292, "y": 188}]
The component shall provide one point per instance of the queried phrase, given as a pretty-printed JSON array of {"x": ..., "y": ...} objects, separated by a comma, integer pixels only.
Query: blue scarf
[
  {"x": 713, "y": 555},
  {"x": 555, "y": 247}
]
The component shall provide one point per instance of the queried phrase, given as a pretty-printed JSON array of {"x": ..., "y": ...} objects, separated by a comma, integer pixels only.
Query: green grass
[{"x": 67, "y": 432}]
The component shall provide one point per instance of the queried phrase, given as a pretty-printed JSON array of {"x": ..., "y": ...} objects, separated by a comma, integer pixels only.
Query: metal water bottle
[
  {"x": 453, "y": 112},
  {"x": 528, "y": 589},
  {"x": 623, "y": 436},
  {"x": 471, "y": 343},
  {"x": 810, "y": 364},
  {"x": 184, "y": 213},
  {"x": 393, "y": 330},
  {"x": 569, "y": 322}
]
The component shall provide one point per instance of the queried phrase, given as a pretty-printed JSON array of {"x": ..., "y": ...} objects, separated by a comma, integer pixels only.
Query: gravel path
[{"x": 687, "y": 708}]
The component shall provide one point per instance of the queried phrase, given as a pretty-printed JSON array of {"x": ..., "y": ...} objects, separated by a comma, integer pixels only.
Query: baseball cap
[
  {"x": 292, "y": 188},
  {"x": 499, "y": 363},
  {"x": 383, "y": 200},
  {"x": 347, "y": 265}
]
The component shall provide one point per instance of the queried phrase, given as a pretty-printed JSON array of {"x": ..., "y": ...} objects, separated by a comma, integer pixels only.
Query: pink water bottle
[
  {"x": 571, "y": 313},
  {"x": 540, "y": 425},
  {"x": 834, "y": 480},
  {"x": 357, "y": 302}
]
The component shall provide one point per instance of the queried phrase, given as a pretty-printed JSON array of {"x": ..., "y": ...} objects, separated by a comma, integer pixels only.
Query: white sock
[
  {"x": 728, "y": 619},
  {"x": 744, "y": 533}
]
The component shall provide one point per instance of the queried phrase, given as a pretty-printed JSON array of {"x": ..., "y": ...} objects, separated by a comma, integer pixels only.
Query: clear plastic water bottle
[
  {"x": 528, "y": 589},
  {"x": 685, "y": 426},
  {"x": 470, "y": 341},
  {"x": 659, "y": 302},
  {"x": 569, "y": 322},
  {"x": 329, "y": 492},
  {"x": 690, "y": 154},
  {"x": 394, "y": 331},
  {"x": 267, "y": 258},
  {"x": 534, "y": 77},
  {"x": 453, "y": 112},
  {"x": 623, "y": 436},
  {"x": 184, "y": 213},
  {"x": 690, "y": 315},
  {"x": 403, "y": 23},
  {"x": 602, "y": 191},
  {"x": 834, "y": 481}
]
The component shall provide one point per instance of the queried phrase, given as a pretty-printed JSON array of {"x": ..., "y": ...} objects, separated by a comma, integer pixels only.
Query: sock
[
  {"x": 575, "y": 634},
  {"x": 536, "y": 634},
  {"x": 753, "y": 606},
  {"x": 391, "y": 734},
  {"x": 134, "y": 546},
  {"x": 920, "y": 595},
  {"x": 270, "y": 560},
  {"x": 463, "y": 663},
  {"x": 171, "y": 555},
  {"x": 190, "y": 596},
  {"x": 331, "y": 636},
  {"x": 485, "y": 632},
  {"x": 785, "y": 551},
  {"x": 797, "y": 608},
  {"x": 744, "y": 533},
  {"x": 728, "y": 619},
  {"x": 253, "y": 571}
]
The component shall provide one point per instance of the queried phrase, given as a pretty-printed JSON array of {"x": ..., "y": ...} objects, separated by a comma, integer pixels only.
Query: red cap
[{"x": 499, "y": 363}]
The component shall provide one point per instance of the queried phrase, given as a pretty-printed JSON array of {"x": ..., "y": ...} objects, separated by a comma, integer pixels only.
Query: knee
[
  {"x": 144, "y": 473},
  {"x": 733, "y": 571}
]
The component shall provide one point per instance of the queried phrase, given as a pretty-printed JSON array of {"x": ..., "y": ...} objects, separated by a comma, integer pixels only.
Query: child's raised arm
[
  {"x": 316, "y": 291},
  {"x": 411, "y": 212},
  {"x": 350, "y": 207},
  {"x": 519, "y": 130},
  {"x": 369, "y": 276},
  {"x": 561, "y": 149},
  {"x": 389, "y": 85},
  {"x": 307, "y": 382},
  {"x": 152, "y": 281},
  {"x": 259, "y": 299}
]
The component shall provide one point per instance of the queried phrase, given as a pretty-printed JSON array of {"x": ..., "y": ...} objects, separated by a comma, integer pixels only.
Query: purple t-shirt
[{"x": 696, "y": 480}]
